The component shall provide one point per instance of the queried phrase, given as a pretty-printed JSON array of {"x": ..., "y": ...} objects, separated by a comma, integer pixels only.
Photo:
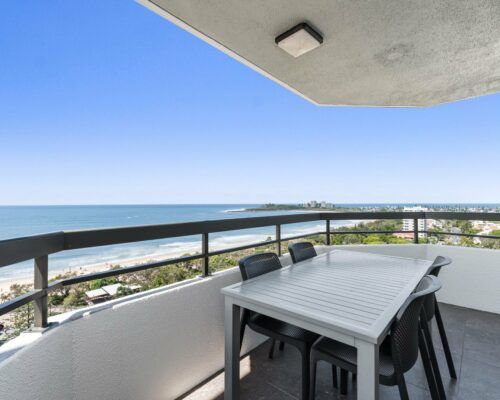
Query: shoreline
[
  {"x": 181, "y": 248},
  {"x": 96, "y": 267}
]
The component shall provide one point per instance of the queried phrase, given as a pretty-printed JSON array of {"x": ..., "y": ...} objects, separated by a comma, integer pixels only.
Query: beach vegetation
[
  {"x": 99, "y": 283},
  {"x": 73, "y": 297},
  {"x": 20, "y": 319}
]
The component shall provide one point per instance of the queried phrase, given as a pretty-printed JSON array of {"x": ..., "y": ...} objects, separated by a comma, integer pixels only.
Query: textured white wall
[
  {"x": 472, "y": 280},
  {"x": 159, "y": 344},
  {"x": 41, "y": 370},
  {"x": 398, "y": 250},
  {"x": 156, "y": 347}
]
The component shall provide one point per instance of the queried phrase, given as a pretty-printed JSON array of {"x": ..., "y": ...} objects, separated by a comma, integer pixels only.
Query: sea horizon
[
  {"x": 428, "y": 203},
  {"x": 25, "y": 220}
]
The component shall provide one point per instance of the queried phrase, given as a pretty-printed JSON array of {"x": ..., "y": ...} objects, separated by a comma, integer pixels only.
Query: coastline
[
  {"x": 90, "y": 268},
  {"x": 172, "y": 250}
]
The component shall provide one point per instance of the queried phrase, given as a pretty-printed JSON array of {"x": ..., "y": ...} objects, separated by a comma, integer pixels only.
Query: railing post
[
  {"x": 278, "y": 240},
  {"x": 415, "y": 231},
  {"x": 328, "y": 241},
  {"x": 41, "y": 282},
  {"x": 205, "y": 250}
]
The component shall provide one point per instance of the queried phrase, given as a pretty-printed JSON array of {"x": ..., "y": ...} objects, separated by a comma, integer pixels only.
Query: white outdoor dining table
[{"x": 348, "y": 296}]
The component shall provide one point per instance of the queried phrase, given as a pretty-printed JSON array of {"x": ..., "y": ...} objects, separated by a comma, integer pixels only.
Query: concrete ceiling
[{"x": 375, "y": 52}]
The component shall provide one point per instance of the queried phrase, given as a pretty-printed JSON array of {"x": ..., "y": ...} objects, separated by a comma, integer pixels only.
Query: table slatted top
[{"x": 354, "y": 292}]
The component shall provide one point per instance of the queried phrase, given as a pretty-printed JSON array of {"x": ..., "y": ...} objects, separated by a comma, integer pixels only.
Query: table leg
[
  {"x": 232, "y": 350},
  {"x": 367, "y": 378}
]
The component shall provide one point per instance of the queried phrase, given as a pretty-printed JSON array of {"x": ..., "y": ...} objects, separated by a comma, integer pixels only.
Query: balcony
[
  {"x": 473, "y": 335},
  {"x": 168, "y": 342}
]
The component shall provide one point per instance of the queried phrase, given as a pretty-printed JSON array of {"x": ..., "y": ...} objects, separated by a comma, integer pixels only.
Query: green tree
[
  {"x": 99, "y": 283},
  {"x": 74, "y": 299},
  {"x": 56, "y": 298}
]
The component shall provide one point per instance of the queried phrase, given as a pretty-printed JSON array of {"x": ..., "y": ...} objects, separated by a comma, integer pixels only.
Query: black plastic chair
[
  {"x": 397, "y": 355},
  {"x": 432, "y": 309},
  {"x": 256, "y": 265},
  {"x": 431, "y": 366},
  {"x": 301, "y": 251}
]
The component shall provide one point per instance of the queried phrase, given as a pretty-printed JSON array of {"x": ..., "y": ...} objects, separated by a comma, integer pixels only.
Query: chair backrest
[
  {"x": 301, "y": 251},
  {"x": 404, "y": 330},
  {"x": 439, "y": 262},
  {"x": 429, "y": 308},
  {"x": 258, "y": 264},
  {"x": 430, "y": 301}
]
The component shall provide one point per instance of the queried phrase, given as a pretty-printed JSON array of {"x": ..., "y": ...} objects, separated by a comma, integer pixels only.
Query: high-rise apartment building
[{"x": 408, "y": 224}]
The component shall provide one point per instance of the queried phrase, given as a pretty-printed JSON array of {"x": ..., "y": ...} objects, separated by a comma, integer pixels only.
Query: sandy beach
[
  {"x": 87, "y": 269},
  {"x": 180, "y": 249},
  {"x": 165, "y": 252}
]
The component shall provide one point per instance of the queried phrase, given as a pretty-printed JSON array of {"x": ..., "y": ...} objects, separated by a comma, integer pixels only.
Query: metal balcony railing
[{"x": 39, "y": 247}]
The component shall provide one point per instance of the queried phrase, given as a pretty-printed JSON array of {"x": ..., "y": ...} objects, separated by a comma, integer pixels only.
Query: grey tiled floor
[{"x": 474, "y": 338}]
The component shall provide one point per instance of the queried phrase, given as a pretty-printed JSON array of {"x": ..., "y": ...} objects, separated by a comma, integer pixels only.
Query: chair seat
[
  {"x": 345, "y": 356},
  {"x": 280, "y": 330}
]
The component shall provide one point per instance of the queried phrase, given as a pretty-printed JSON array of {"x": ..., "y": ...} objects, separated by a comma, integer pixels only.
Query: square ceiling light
[{"x": 299, "y": 40}]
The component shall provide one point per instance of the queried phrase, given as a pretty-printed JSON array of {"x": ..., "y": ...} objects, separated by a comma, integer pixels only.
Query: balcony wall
[
  {"x": 156, "y": 345},
  {"x": 472, "y": 280},
  {"x": 161, "y": 343}
]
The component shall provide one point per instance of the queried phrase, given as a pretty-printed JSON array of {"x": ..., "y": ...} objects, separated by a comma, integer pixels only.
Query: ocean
[{"x": 18, "y": 221}]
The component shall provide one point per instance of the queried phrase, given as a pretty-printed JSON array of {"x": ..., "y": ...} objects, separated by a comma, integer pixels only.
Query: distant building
[
  {"x": 485, "y": 227},
  {"x": 96, "y": 296},
  {"x": 106, "y": 292},
  {"x": 433, "y": 223},
  {"x": 404, "y": 235},
  {"x": 408, "y": 224}
]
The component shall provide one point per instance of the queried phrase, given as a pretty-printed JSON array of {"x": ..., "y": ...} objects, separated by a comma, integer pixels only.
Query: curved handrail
[{"x": 38, "y": 247}]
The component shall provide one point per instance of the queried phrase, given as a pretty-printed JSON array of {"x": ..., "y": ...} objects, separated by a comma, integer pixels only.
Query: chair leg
[
  {"x": 424, "y": 353},
  {"x": 433, "y": 358},
  {"x": 403, "y": 390},
  {"x": 282, "y": 346},
  {"x": 306, "y": 363},
  {"x": 271, "y": 349},
  {"x": 343, "y": 381},
  {"x": 446, "y": 346},
  {"x": 312, "y": 380},
  {"x": 334, "y": 377}
]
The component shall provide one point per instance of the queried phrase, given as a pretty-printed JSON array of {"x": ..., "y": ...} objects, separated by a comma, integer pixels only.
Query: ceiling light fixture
[{"x": 299, "y": 40}]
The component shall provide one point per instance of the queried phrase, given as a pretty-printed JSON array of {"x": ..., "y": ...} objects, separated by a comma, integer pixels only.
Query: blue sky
[{"x": 102, "y": 101}]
